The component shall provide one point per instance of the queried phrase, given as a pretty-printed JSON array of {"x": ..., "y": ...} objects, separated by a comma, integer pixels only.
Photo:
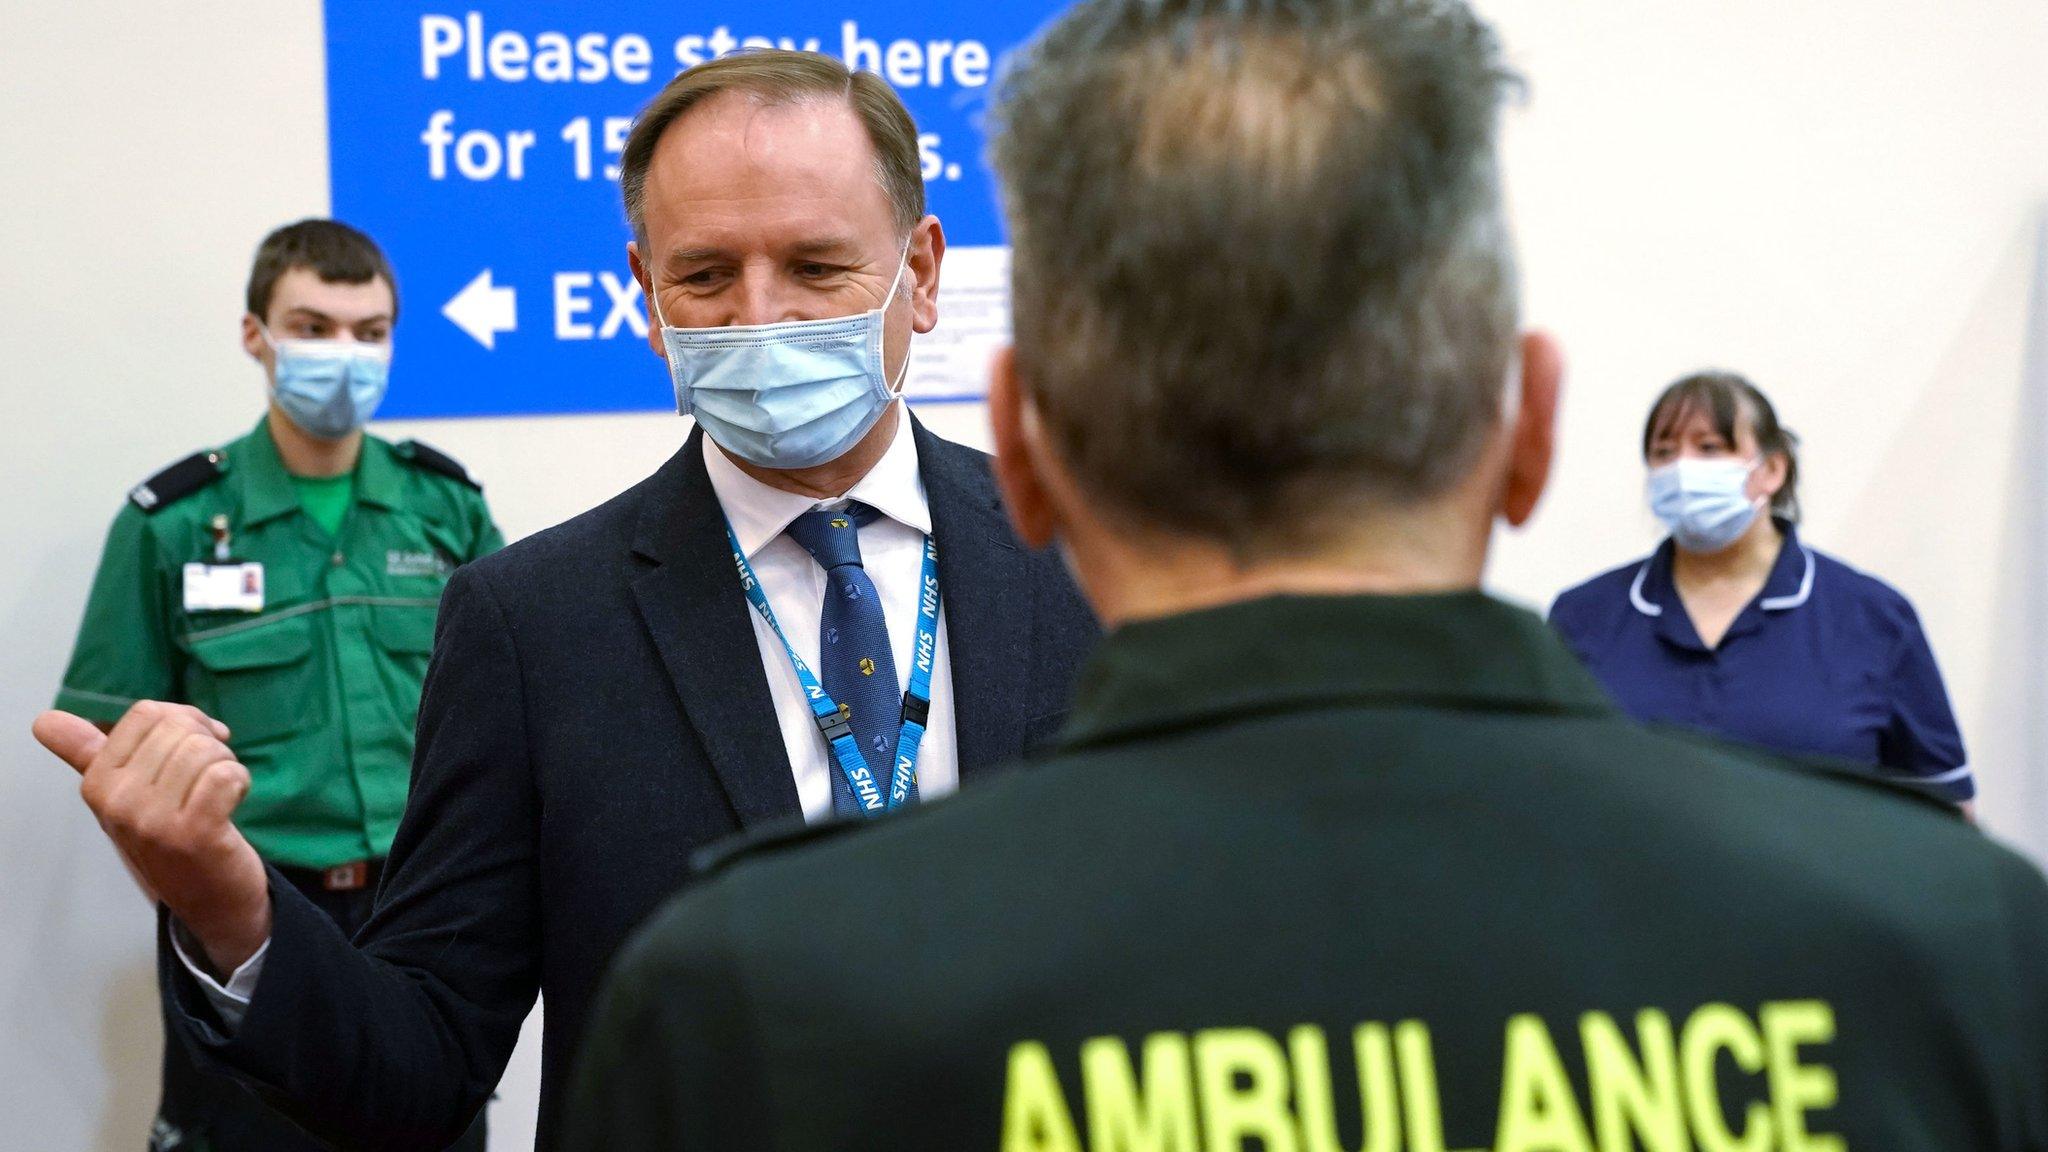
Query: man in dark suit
[
  {"x": 604, "y": 697},
  {"x": 1338, "y": 852}
]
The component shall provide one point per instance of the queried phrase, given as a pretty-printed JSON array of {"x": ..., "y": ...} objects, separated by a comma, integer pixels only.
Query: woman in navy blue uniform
[{"x": 1736, "y": 627}]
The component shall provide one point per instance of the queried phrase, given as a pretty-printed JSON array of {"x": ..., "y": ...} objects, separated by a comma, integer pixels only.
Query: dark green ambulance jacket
[{"x": 1348, "y": 873}]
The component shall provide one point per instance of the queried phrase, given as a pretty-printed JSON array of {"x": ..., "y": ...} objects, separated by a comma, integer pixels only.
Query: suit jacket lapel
[
  {"x": 983, "y": 580},
  {"x": 700, "y": 622}
]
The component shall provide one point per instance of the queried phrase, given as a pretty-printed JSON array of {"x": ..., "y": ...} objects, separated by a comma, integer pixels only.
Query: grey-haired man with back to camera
[{"x": 1337, "y": 852}]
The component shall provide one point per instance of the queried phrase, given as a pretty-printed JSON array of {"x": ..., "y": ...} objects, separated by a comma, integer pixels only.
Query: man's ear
[
  {"x": 253, "y": 342},
  {"x": 647, "y": 298},
  {"x": 927, "y": 251},
  {"x": 1020, "y": 452},
  {"x": 1533, "y": 442}
]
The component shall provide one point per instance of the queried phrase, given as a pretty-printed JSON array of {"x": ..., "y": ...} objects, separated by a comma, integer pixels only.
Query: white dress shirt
[{"x": 892, "y": 552}]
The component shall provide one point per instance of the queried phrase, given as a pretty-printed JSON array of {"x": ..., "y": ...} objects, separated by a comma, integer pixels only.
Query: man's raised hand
[{"x": 164, "y": 786}]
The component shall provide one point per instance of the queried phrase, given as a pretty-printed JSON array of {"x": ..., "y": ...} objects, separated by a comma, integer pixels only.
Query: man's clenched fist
[{"x": 164, "y": 787}]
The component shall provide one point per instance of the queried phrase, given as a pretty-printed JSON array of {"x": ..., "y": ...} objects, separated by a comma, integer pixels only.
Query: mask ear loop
[
  {"x": 276, "y": 357},
  {"x": 654, "y": 295},
  {"x": 1762, "y": 504},
  {"x": 902, "y": 263}
]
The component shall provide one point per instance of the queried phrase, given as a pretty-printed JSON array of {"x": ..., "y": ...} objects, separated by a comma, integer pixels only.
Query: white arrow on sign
[{"x": 483, "y": 311}]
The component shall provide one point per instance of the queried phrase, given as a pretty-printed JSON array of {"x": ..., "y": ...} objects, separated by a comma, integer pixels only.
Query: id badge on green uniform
[{"x": 223, "y": 587}]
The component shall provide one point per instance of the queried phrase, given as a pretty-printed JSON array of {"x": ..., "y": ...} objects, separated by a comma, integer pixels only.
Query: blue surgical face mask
[
  {"x": 789, "y": 395},
  {"x": 1704, "y": 503},
  {"x": 329, "y": 388}
]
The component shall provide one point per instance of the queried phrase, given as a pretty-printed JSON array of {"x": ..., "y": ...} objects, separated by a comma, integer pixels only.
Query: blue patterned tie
[{"x": 856, "y": 662}]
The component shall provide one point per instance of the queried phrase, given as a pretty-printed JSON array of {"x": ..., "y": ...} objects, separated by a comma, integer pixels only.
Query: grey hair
[{"x": 1261, "y": 272}]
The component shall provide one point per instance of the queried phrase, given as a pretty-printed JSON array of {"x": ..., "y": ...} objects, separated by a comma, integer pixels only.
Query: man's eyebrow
[
  {"x": 683, "y": 256},
  {"x": 826, "y": 246},
  {"x": 835, "y": 246},
  {"x": 318, "y": 316}
]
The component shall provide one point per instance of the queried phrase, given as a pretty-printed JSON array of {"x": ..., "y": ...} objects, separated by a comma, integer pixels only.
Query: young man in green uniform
[
  {"x": 1338, "y": 852},
  {"x": 287, "y": 583}
]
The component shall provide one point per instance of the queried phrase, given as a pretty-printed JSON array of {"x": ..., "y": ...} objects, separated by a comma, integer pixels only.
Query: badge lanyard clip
[{"x": 221, "y": 539}]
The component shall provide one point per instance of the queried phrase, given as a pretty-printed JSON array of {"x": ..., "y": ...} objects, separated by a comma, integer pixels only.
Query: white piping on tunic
[
  {"x": 1805, "y": 593},
  {"x": 1774, "y": 604},
  {"x": 1635, "y": 593}
]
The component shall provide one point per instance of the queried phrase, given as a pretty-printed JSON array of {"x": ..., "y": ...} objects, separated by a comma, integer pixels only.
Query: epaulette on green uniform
[
  {"x": 434, "y": 460},
  {"x": 178, "y": 481}
]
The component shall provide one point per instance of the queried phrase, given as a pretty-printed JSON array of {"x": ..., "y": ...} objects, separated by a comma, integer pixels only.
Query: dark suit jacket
[
  {"x": 1317, "y": 872},
  {"x": 596, "y": 710}
]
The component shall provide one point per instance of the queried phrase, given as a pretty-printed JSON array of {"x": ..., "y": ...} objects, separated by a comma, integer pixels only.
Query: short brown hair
[
  {"x": 334, "y": 251},
  {"x": 779, "y": 76}
]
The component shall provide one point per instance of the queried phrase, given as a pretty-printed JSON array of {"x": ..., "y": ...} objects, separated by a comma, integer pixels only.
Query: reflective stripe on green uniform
[{"x": 322, "y": 686}]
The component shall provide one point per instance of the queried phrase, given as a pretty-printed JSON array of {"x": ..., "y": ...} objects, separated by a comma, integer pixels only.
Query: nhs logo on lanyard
[
  {"x": 928, "y": 609},
  {"x": 926, "y": 642}
]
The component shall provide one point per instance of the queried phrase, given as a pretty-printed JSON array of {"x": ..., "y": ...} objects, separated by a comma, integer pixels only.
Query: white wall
[
  {"x": 1840, "y": 200},
  {"x": 1831, "y": 196}
]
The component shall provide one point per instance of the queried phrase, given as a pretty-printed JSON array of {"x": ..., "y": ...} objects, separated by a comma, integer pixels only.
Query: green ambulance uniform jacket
[
  {"x": 1330, "y": 874},
  {"x": 321, "y": 686}
]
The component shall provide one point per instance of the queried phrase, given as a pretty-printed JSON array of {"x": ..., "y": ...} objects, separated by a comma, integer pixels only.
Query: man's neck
[
  {"x": 836, "y": 477},
  {"x": 1144, "y": 579},
  {"x": 307, "y": 455}
]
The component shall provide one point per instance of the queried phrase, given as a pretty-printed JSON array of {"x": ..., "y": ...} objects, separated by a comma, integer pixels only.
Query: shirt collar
[
  {"x": 1790, "y": 584},
  {"x": 264, "y": 487},
  {"x": 1462, "y": 649},
  {"x": 380, "y": 478},
  {"x": 759, "y": 513},
  {"x": 1654, "y": 593},
  {"x": 1791, "y": 581}
]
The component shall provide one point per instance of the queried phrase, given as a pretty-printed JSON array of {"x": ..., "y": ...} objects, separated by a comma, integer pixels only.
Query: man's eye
[
  {"x": 814, "y": 270},
  {"x": 702, "y": 278}
]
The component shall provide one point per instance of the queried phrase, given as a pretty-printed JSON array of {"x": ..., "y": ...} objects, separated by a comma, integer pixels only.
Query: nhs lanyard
[{"x": 917, "y": 702}]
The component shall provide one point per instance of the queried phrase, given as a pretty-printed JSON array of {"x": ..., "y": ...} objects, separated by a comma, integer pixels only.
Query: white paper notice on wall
[{"x": 951, "y": 361}]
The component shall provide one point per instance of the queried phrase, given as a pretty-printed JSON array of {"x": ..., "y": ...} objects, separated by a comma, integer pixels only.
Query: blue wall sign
[{"x": 479, "y": 145}]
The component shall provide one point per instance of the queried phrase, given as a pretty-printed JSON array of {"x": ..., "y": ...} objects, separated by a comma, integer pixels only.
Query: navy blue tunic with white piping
[{"x": 1825, "y": 661}]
